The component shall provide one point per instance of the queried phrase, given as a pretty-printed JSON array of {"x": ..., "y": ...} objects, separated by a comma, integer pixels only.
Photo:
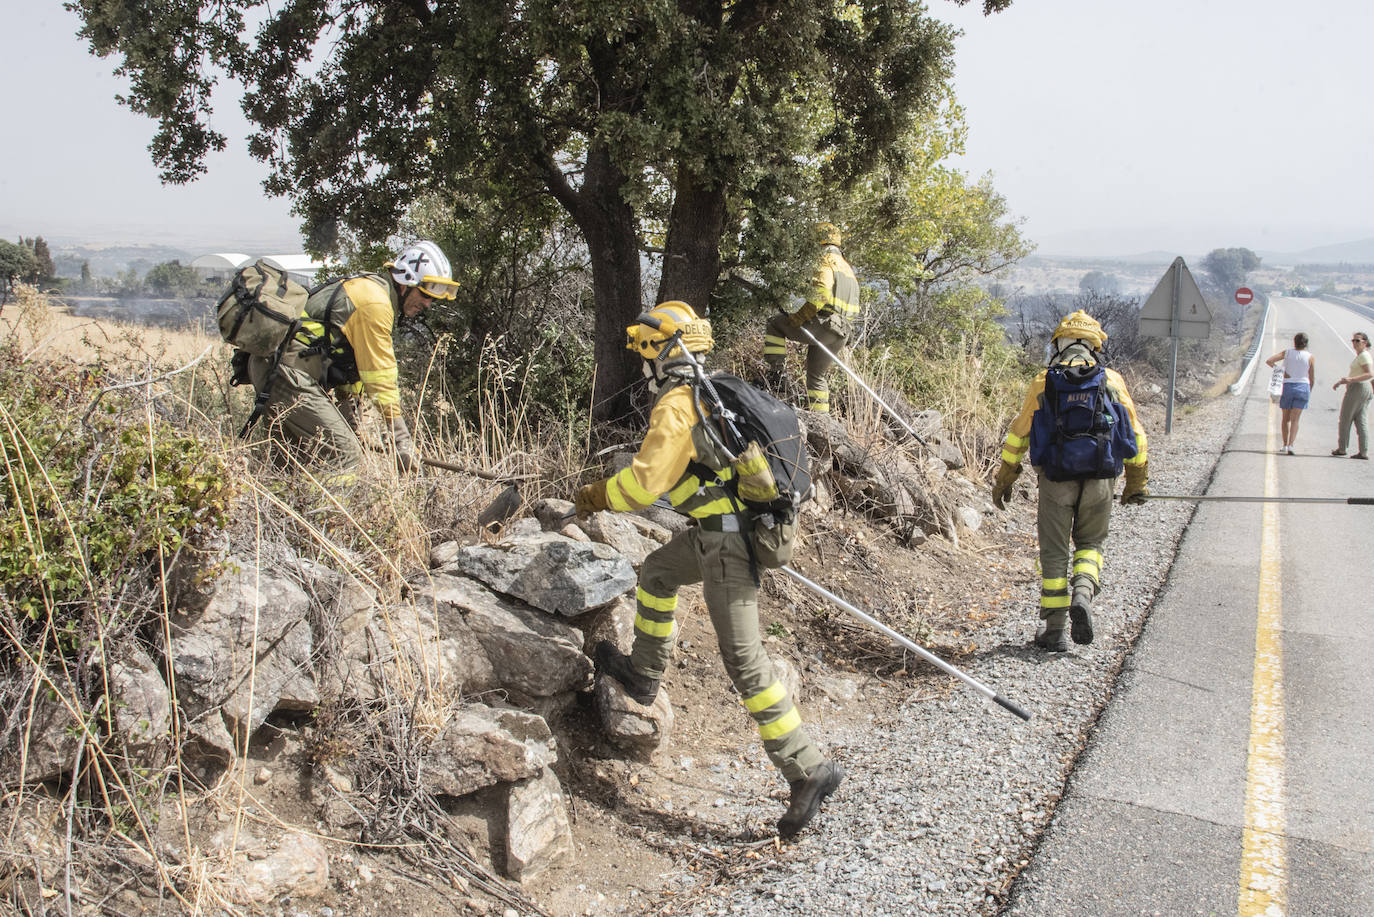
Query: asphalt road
[{"x": 1233, "y": 771}]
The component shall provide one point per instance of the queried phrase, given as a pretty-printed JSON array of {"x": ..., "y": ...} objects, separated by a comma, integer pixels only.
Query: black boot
[
  {"x": 1056, "y": 641},
  {"x": 807, "y": 796},
  {"x": 611, "y": 661},
  {"x": 1081, "y": 614}
]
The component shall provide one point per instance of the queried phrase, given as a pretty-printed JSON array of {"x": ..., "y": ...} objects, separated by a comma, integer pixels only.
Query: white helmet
[{"x": 422, "y": 264}]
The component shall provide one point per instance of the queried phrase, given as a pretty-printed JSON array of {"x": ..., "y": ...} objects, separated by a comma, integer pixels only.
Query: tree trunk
[
  {"x": 691, "y": 257},
  {"x": 608, "y": 224}
]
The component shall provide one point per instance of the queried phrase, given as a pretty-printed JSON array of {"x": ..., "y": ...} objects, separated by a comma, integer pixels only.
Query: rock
[
  {"x": 789, "y": 675},
  {"x": 538, "y": 833},
  {"x": 141, "y": 702},
  {"x": 575, "y": 533},
  {"x": 839, "y": 690},
  {"x": 499, "y": 510},
  {"x": 615, "y": 622},
  {"x": 969, "y": 517},
  {"x": 443, "y": 553},
  {"x": 552, "y": 513},
  {"x": 617, "y": 531},
  {"x": 483, "y": 746},
  {"x": 669, "y": 520},
  {"x": 247, "y": 654},
  {"x": 527, "y": 651},
  {"x": 637, "y": 729},
  {"x": 549, "y": 571},
  {"x": 952, "y": 458},
  {"x": 298, "y": 869},
  {"x": 53, "y": 737},
  {"x": 656, "y": 531}
]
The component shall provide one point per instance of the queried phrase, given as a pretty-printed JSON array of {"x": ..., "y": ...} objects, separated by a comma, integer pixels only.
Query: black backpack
[
  {"x": 772, "y": 475},
  {"x": 1080, "y": 432},
  {"x": 743, "y": 415}
]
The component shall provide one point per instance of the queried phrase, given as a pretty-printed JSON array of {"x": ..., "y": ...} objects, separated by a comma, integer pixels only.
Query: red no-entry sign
[{"x": 1244, "y": 295}]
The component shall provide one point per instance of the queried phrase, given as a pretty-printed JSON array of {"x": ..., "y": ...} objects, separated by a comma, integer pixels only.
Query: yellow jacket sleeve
[
  {"x": 1117, "y": 386},
  {"x": 663, "y": 456},
  {"x": 368, "y": 331},
  {"x": 1017, "y": 440}
]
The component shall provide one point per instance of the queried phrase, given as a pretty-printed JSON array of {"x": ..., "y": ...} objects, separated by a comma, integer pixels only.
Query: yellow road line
[{"x": 1264, "y": 856}]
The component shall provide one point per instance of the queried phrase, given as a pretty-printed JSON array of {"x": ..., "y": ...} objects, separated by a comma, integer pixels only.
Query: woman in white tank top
[{"x": 1299, "y": 375}]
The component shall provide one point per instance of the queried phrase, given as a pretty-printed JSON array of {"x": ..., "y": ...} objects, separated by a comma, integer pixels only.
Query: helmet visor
[{"x": 439, "y": 288}]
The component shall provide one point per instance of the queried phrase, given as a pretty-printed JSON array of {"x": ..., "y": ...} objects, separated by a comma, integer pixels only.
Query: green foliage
[
  {"x": 170, "y": 279},
  {"x": 17, "y": 262},
  {"x": 712, "y": 132},
  {"x": 92, "y": 495},
  {"x": 1227, "y": 268},
  {"x": 1099, "y": 283}
]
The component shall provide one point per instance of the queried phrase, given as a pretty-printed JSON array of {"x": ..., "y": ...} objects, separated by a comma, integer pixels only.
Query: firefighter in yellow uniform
[
  {"x": 345, "y": 348},
  {"x": 831, "y": 307},
  {"x": 1073, "y": 516},
  {"x": 679, "y": 459}
]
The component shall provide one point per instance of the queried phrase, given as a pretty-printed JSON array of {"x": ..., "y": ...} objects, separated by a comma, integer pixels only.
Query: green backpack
[{"x": 261, "y": 310}]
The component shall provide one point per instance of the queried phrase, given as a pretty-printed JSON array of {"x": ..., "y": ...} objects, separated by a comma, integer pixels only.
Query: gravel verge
[{"x": 947, "y": 795}]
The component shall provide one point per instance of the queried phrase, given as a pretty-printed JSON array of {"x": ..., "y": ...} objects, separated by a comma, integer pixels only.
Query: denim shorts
[{"x": 1295, "y": 395}]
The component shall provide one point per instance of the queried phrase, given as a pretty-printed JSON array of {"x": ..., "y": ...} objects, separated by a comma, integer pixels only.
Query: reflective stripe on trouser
[
  {"x": 720, "y": 562},
  {"x": 1072, "y": 520},
  {"x": 817, "y": 363},
  {"x": 302, "y": 413}
]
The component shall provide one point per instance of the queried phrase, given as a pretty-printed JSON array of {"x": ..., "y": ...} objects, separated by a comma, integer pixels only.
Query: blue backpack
[{"x": 1080, "y": 432}]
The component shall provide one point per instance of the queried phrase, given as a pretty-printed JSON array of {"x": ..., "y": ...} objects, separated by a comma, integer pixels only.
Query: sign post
[
  {"x": 1244, "y": 296},
  {"x": 1175, "y": 309}
]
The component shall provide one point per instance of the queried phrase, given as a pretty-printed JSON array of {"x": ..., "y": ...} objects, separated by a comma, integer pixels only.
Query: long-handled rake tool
[
  {"x": 928, "y": 656},
  {"x": 1354, "y": 501},
  {"x": 866, "y": 387}
]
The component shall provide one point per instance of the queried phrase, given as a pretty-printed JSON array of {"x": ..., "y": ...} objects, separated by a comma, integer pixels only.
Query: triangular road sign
[{"x": 1157, "y": 315}]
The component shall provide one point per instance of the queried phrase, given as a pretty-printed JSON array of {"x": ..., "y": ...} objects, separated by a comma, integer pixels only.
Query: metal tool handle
[{"x": 928, "y": 656}]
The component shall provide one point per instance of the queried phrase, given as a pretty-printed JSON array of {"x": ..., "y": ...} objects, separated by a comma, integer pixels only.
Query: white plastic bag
[{"x": 1276, "y": 384}]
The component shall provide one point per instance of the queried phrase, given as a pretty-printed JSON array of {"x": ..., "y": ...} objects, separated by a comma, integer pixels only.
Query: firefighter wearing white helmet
[
  {"x": 1075, "y": 502},
  {"x": 827, "y": 314},
  {"x": 344, "y": 350},
  {"x": 680, "y": 460}
]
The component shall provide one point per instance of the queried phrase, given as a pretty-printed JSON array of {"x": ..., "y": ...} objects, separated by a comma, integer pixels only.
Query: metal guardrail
[
  {"x": 1251, "y": 358},
  {"x": 1366, "y": 310}
]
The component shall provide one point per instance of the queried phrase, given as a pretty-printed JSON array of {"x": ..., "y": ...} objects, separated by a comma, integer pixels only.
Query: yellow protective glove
[
  {"x": 591, "y": 498},
  {"x": 1136, "y": 490},
  {"x": 803, "y": 315},
  {"x": 1001, "y": 485}
]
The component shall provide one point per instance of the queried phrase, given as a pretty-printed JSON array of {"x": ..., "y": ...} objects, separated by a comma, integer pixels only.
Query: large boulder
[
  {"x": 244, "y": 656},
  {"x": 528, "y": 651},
  {"x": 483, "y": 746},
  {"x": 549, "y": 571},
  {"x": 46, "y": 736},
  {"x": 141, "y": 702},
  {"x": 538, "y": 832},
  {"x": 638, "y": 730}
]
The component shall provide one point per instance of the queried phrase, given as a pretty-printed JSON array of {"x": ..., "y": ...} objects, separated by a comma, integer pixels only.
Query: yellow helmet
[
  {"x": 655, "y": 328},
  {"x": 827, "y": 234},
  {"x": 1081, "y": 325}
]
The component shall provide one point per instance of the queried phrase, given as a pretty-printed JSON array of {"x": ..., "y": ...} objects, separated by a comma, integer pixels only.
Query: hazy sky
[{"x": 1111, "y": 127}]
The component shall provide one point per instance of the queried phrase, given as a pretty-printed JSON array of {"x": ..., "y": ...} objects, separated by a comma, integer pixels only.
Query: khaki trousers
[
  {"x": 1353, "y": 406},
  {"x": 818, "y": 364},
  {"x": 300, "y": 412},
  {"x": 720, "y": 562},
  {"x": 1072, "y": 519}
]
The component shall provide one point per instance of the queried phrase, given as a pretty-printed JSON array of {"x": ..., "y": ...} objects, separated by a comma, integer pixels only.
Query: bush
[{"x": 95, "y": 493}]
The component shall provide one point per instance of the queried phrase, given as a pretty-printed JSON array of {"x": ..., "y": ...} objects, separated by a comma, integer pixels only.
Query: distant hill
[{"x": 1361, "y": 252}]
